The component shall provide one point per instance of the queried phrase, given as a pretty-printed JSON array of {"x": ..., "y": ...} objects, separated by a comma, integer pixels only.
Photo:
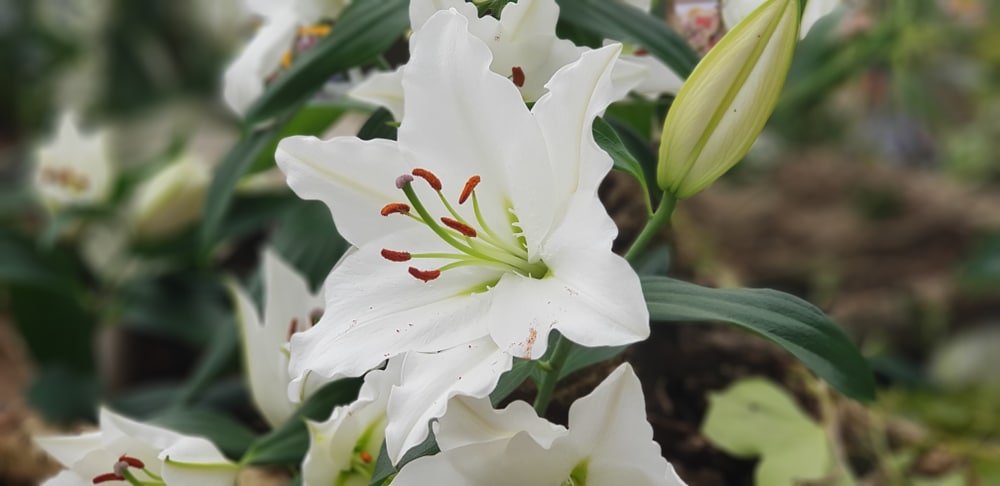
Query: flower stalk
[{"x": 553, "y": 368}]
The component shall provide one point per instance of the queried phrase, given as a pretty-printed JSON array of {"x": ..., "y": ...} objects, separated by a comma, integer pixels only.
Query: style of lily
[
  {"x": 523, "y": 42},
  {"x": 124, "y": 451},
  {"x": 73, "y": 168},
  {"x": 343, "y": 449},
  {"x": 477, "y": 233},
  {"x": 287, "y": 27},
  {"x": 608, "y": 443},
  {"x": 289, "y": 307},
  {"x": 733, "y": 11}
]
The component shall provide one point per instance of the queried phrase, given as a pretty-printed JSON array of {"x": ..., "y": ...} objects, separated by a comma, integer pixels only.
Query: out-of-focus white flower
[
  {"x": 125, "y": 448},
  {"x": 73, "y": 168},
  {"x": 608, "y": 443},
  {"x": 171, "y": 200},
  {"x": 659, "y": 78},
  {"x": 505, "y": 229},
  {"x": 342, "y": 450},
  {"x": 287, "y": 26},
  {"x": 733, "y": 11},
  {"x": 522, "y": 41},
  {"x": 289, "y": 307}
]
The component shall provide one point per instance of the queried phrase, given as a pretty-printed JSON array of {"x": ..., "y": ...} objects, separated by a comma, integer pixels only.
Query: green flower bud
[{"x": 726, "y": 101}]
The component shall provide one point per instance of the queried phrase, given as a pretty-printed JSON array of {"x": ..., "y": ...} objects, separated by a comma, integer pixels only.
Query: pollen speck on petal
[
  {"x": 425, "y": 275},
  {"x": 429, "y": 177},
  {"x": 393, "y": 208}
]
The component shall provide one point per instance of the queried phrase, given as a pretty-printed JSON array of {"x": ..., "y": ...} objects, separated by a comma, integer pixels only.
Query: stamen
[
  {"x": 103, "y": 478},
  {"x": 470, "y": 185},
  {"x": 517, "y": 76},
  {"x": 365, "y": 457},
  {"x": 403, "y": 180},
  {"x": 429, "y": 177},
  {"x": 286, "y": 59},
  {"x": 425, "y": 275},
  {"x": 292, "y": 328},
  {"x": 132, "y": 461},
  {"x": 315, "y": 30},
  {"x": 459, "y": 226},
  {"x": 395, "y": 256},
  {"x": 393, "y": 208},
  {"x": 640, "y": 52}
]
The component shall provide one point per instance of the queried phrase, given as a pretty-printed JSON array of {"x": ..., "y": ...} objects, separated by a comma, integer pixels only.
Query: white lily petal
[
  {"x": 376, "y": 310},
  {"x": 659, "y": 78},
  {"x": 422, "y": 10},
  {"x": 351, "y": 430},
  {"x": 452, "y": 87},
  {"x": 354, "y": 178},
  {"x": 611, "y": 422},
  {"x": 193, "y": 460},
  {"x": 382, "y": 89},
  {"x": 73, "y": 168},
  {"x": 82, "y": 450},
  {"x": 471, "y": 421},
  {"x": 243, "y": 81},
  {"x": 578, "y": 93},
  {"x": 429, "y": 380}
]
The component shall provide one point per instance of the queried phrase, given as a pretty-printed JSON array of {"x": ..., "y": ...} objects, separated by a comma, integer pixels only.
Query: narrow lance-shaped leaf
[
  {"x": 790, "y": 322},
  {"x": 727, "y": 100}
]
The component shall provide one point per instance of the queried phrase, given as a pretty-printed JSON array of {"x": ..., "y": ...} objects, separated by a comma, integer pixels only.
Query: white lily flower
[
  {"x": 171, "y": 200},
  {"x": 73, "y": 168},
  {"x": 659, "y": 78},
  {"x": 523, "y": 42},
  {"x": 342, "y": 450},
  {"x": 124, "y": 450},
  {"x": 608, "y": 443},
  {"x": 531, "y": 254},
  {"x": 284, "y": 21},
  {"x": 733, "y": 11},
  {"x": 289, "y": 307}
]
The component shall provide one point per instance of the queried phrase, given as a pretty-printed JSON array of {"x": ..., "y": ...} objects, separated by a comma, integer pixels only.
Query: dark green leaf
[
  {"x": 311, "y": 120},
  {"x": 22, "y": 261},
  {"x": 581, "y": 357},
  {"x": 614, "y": 19},
  {"x": 55, "y": 326},
  {"x": 379, "y": 125},
  {"x": 231, "y": 437},
  {"x": 608, "y": 140},
  {"x": 792, "y": 323},
  {"x": 63, "y": 395},
  {"x": 288, "y": 443},
  {"x": 186, "y": 306},
  {"x": 384, "y": 469},
  {"x": 511, "y": 380},
  {"x": 363, "y": 31},
  {"x": 308, "y": 240},
  {"x": 219, "y": 355}
]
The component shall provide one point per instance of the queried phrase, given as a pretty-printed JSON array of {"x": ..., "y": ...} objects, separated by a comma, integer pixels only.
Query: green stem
[
  {"x": 553, "y": 368},
  {"x": 661, "y": 218}
]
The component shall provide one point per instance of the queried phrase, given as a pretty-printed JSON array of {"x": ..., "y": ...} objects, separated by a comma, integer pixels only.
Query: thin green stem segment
[
  {"x": 661, "y": 218},
  {"x": 553, "y": 368}
]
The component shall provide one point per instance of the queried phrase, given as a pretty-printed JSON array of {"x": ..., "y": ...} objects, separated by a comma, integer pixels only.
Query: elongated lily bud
[{"x": 728, "y": 98}]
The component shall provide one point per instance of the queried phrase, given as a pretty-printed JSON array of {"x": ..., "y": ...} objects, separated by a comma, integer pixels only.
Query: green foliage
[
  {"x": 607, "y": 138},
  {"x": 792, "y": 323},
  {"x": 231, "y": 437},
  {"x": 756, "y": 418}
]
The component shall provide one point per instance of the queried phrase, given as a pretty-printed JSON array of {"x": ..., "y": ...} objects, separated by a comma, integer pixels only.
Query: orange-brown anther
[
  {"x": 292, "y": 328},
  {"x": 103, "y": 478},
  {"x": 641, "y": 52},
  {"x": 132, "y": 461},
  {"x": 429, "y": 177},
  {"x": 395, "y": 256},
  {"x": 425, "y": 275},
  {"x": 393, "y": 208},
  {"x": 365, "y": 457},
  {"x": 517, "y": 76},
  {"x": 470, "y": 185},
  {"x": 459, "y": 226}
]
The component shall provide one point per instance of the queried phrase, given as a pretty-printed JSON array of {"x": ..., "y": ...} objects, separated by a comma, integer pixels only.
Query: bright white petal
[
  {"x": 659, "y": 79},
  {"x": 422, "y": 10},
  {"x": 429, "y": 380},
  {"x": 244, "y": 79},
  {"x": 578, "y": 93},
  {"x": 73, "y": 167},
  {"x": 814, "y": 11},
  {"x": 461, "y": 117},
  {"x": 193, "y": 460},
  {"x": 77, "y": 452},
  {"x": 611, "y": 423},
  {"x": 471, "y": 421},
  {"x": 354, "y": 178},
  {"x": 375, "y": 309},
  {"x": 382, "y": 89}
]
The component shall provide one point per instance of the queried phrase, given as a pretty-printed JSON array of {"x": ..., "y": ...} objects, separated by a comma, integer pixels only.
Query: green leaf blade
[{"x": 792, "y": 323}]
